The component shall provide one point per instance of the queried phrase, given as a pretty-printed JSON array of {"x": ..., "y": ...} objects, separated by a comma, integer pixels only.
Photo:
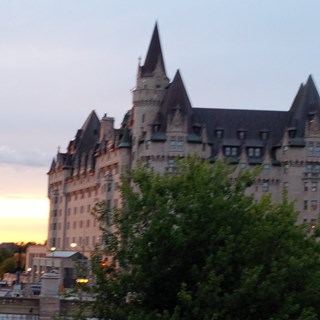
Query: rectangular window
[
  {"x": 227, "y": 151},
  {"x": 234, "y": 151},
  {"x": 314, "y": 204},
  {"x": 306, "y": 186},
  {"x": 310, "y": 149},
  {"x": 305, "y": 204},
  {"x": 265, "y": 186},
  {"x": 285, "y": 185},
  {"x": 314, "y": 186},
  {"x": 309, "y": 168},
  {"x": 266, "y": 167},
  {"x": 171, "y": 163},
  {"x": 176, "y": 143}
]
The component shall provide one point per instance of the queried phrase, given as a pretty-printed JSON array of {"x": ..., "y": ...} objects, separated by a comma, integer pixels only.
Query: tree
[{"x": 193, "y": 245}]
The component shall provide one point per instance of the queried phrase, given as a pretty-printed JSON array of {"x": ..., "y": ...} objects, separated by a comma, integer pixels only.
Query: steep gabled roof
[
  {"x": 154, "y": 55},
  {"x": 89, "y": 133},
  {"x": 176, "y": 99},
  {"x": 306, "y": 102},
  {"x": 230, "y": 121}
]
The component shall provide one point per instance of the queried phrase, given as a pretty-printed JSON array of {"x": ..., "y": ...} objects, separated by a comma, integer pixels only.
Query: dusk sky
[{"x": 60, "y": 59}]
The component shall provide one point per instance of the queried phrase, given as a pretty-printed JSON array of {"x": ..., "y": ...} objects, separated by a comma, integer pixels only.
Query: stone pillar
[{"x": 49, "y": 297}]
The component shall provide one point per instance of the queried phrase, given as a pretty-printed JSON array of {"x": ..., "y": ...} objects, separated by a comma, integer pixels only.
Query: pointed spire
[
  {"x": 306, "y": 103},
  {"x": 154, "y": 55},
  {"x": 53, "y": 166},
  {"x": 178, "y": 94}
]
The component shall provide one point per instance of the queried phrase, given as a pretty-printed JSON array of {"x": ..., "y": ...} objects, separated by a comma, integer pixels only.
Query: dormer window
[
  {"x": 242, "y": 134},
  {"x": 156, "y": 128},
  {"x": 219, "y": 133},
  {"x": 292, "y": 132},
  {"x": 264, "y": 135},
  {"x": 196, "y": 128},
  {"x": 311, "y": 116},
  {"x": 230, "y": 151},
  {"x": 254, "y": 152}
]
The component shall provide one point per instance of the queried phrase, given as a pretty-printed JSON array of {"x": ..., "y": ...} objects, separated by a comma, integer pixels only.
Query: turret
[{"x": 150, "y": 89}]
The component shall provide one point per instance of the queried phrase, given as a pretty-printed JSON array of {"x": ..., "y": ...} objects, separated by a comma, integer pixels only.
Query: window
[
  {"x": 219, "y": 134},
  {"x": 265, "y": 186},
  {"x": 88, "y": 223},
  {"x": 264, "y": 135},
  {"x": 109, "y": 186},
  {"x": 88, "y": 208},
  {"x": 314, "y": 186},
  {"x": 306, "y": 186},
  {"x": 75, "y": 210},
  {"x": 314, "y": 204},
  {"x": 81, "y": 209},
  {"x": 80, "y": 224},
  {"x": 285, "y": 185},
  {"x": 317, "y": 150},
  {"x": 230, "y": 151},
  {"x": 241, "y": 135},
  {"x": 266, "y": 167},
  {"x": 74, "y": 224},
  {"x": 176, "y": 143},
  {"x": 254, "y": 152},
  {"x": 143, "y": 118},
  {"x": 305, "y": 204},
  {"x": 286, "y": 168},
  {"x": 171, "y": 163},
  {"x": 310, "y": 149},
  {"x": 292, "y": 132},
  {"x": 147, "y": 144}
]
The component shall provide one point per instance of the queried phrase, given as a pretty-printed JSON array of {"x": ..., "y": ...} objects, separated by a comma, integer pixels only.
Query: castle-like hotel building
[{"x": 162, "y": 126}]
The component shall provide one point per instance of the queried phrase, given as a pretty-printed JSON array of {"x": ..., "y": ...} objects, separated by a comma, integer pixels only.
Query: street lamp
[
  {"x": 52, "y": 249},
  {"x": 73, "y": 245}
]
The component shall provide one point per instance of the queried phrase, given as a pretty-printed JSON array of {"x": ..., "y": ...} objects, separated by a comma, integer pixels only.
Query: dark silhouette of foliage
[{"x": 193, "y": 245}]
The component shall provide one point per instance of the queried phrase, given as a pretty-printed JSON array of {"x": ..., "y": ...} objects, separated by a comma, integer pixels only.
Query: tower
[{"x": 149, "y": 92}]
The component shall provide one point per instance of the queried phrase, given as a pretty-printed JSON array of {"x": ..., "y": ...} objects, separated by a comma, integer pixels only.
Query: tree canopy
[{"x": 194, "y": 245}]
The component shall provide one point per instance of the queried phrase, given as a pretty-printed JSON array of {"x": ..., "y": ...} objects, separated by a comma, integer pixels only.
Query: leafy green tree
[
  {"x": 193, "y": 245},
  {"x": 8, "y": 265}
]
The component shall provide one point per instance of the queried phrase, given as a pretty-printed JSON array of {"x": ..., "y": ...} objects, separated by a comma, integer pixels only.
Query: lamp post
[{"x": 52, "y": 249}]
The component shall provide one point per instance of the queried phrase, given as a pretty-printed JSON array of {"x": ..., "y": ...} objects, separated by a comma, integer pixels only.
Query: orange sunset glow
[{"x": 23, "y": 219}]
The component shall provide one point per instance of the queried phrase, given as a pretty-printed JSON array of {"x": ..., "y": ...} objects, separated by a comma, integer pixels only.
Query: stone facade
[{"x": 162, "y": 126}]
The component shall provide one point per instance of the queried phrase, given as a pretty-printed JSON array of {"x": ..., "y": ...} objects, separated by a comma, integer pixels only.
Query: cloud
[{"x": 33, "y": 158}]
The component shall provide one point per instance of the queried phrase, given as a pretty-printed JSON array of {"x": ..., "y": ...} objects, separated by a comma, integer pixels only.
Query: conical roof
[
  {"x": 306, "y": 103},
  {"x": 176, "y": 100},
  {"x": 154, "y": 55}
]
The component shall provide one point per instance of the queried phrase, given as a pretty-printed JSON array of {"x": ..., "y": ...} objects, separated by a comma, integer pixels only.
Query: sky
[{"x": 59, "y": 60}]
